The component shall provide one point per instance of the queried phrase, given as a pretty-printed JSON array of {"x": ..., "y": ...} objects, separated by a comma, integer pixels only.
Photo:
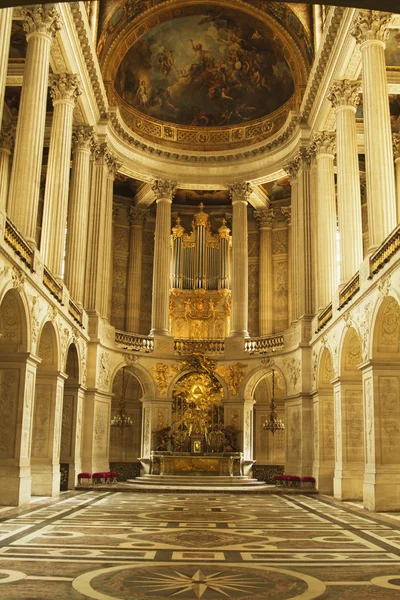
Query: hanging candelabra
[
  {"x": 274, "y": 423},
  {"x": 122, "y": 419}
]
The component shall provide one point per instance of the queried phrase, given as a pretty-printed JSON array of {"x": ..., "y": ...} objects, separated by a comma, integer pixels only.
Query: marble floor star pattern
[{"x": 115, "y": 546}]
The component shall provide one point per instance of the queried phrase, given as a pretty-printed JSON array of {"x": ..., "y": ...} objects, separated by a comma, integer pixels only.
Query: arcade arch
[
  {"x": 125, "y": 443},
  {"x": 324, "y": 426},
  {"x": 268, "y": 448}
]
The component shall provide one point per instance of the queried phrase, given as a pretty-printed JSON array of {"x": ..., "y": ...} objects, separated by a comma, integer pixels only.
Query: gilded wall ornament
[
  {"x": 233, "y": 375},
  {"x": 293, "y": 370},
  {"x": 163, "y": 374}
]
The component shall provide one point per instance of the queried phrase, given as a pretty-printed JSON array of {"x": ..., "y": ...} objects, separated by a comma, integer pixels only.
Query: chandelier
[
  {"x": 274, "y": 423},
  {"x": 122, "y": 419}
]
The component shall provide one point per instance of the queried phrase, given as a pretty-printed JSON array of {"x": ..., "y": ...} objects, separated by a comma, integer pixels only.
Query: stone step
[{"x": 197, "y": 480}]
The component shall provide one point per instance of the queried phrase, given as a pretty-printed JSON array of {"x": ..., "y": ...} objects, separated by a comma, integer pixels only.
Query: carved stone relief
[
  {"x": 370, "y": 420},
  {"x": 293, "y": 371},
  {"x": 103, "y": 373},
  {"x": 364, "y": 326},
  {"x": 46, "y": 346},
  {"x": 329, "y": 429},
  {"x": 353, "y": 350},
  {"x": 294, "y": 437},
  {"x": 389, "y": 393},
  {"x": 9, "y": 320},
  {"x": 41, "y": 421},
  {"x": 100, "y": 428},
  {"x": 354, "y": 425},
  {"x": 389, "y": 333},
  {"x": 147, "y": 432},
  {"x": 280, "y": 295},
  {"x": 280, "y": 241},
  {"x": 67, "y": 427},
  {"x": 9, "y": 389}
]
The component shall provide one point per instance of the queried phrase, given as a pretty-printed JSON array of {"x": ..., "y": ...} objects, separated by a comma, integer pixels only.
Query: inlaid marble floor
[{"x": 115, "y": 546}]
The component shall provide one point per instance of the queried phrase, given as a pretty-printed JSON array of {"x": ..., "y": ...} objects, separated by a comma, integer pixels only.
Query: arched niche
[
  {"x": 13, "y": 323},
  {"x": 349, "y": 416},
  {"x": 269, "y": 449},
  {"x": 386, "y": 333},
  {"x": 125, "y": 443},
  {"x": 324, "y": 425}
]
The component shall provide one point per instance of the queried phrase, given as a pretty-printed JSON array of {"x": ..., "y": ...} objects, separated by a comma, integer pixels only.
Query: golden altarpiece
[{"x": 200, "y": 296}]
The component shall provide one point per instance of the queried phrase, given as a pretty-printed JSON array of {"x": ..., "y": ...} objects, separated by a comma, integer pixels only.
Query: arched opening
[
  {"x": 46, "y": 425},
  {"x": 125, "y": 442},
  {"x": 324, "y": 427},
  {"x": 70, "y": 448},
  {"x": 268, "y": 447},
  {"x": 381, "y": 380},
  {"x": 349, "y": 415},
  {"x": 17, "y": 376}
]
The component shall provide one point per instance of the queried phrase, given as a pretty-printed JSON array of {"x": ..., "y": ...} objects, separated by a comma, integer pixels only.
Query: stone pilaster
[
  {"x": 78, "y": 208},
  {"x": 239, "y": 193},
  {"x": 324, "y": 145},
  {"x": 137, "y": 218},
  {"x": 99, "y": 251},
  {"x": 64, "y": 90},
  {"x": 287, "y": 213},
  {"x": 41, "y": 24},
  {"x": 396, "y": 152},
  {"x": 265, "y": 219},
  {"x": 371, "y": 30},
  {"x": 164, "y": 192},
  {"x": 344, "y": 96},
  {"x": 292, "y": 170},
  {"x": 6, "y": 147},
  {"x": 5, "y": 35}
]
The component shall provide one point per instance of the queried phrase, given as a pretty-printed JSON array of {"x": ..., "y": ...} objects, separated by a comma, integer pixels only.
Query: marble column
[
  {"x": 396, "y": 152},
  {"x": 371, "y": 30},
  {"x": 78, "y": 208},
  {"x": 41, "y": 24},
  {"x": 344, "y": 96},
  {"x": 164, "y": 192},
  {"x": 137, "y": 218},
  {"x": 324, "y": 145},
  {"x": 287, "y": 213},
  {"x": 64, "y": 90},
  {"x": 292, "y": 170},
  {"x": 99, "y": 250},
  {"x": 6, "y": 147},
  {"x": 265, "y": 219},
  {"x": 239, "y": 193},
  {"x": 5, "y": 36}
]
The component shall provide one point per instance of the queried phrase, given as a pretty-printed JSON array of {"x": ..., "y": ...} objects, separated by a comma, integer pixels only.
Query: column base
[
  {"x": 382, "y": 491},
  {"x": 15, "y": 485},
  {"x": 45, "y": 480},
  {"x": 348, "y": 483}
]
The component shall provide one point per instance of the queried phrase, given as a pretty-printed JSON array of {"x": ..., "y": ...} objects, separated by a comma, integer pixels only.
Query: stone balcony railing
[
  {"x": 134, "y": 341},
  {"x": 324, "y": 317},
  {"x": 188, "y": 346},
  {"x": 18, "y": 244},
  {"x": 384, "y": 253},
  {"x": 349, "y": 290},
  {"x": 265, "y": 344}
]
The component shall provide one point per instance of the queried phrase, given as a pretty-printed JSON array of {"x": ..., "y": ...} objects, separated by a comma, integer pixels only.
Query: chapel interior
[{"x": 200, "y": 216}]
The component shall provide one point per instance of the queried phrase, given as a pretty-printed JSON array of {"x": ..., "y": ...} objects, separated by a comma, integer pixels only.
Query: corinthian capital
[
  {"x": 7, "y": 137},
  {"x": 65, "y": 87},
  {"x": 265, "y": 217},
  {"x": 82, "y": 138},
  {"x": 344, "y": 93},
  {"x": 324, "y": 143},
  {"x": 293, "y": 168},
  {"x": 112, "y": 163},
  {"x": 287, "y": 213},
  {"x": 396, "y": 145},
  {"x": 371, "y": 25},
  {"x": 41, "y": 18},
  {"x": 138, "y": 215},
  {"x": 163, "y": 189},
  {"x": 240, "y": 191}
]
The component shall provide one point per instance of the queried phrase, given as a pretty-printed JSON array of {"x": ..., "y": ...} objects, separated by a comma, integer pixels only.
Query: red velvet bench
[
  {"x": 99, "y": 477},
  {"x": 81, "y": 476},
  {"x": 279, "y": 480},
  {"x": 293, "y": 480},
  {"x": 113, "y": 477},
  {"x": 308, "y": 479}
]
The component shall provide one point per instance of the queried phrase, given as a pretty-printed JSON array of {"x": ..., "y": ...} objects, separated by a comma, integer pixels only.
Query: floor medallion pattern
[{"x": 115, "y": 546}]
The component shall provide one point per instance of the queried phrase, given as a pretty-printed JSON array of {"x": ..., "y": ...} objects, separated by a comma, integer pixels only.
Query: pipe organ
[{"x": 200, "y": 280}]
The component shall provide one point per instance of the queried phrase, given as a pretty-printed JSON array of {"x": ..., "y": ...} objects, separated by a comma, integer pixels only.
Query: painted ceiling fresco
[
  {"x": 278, "y": 189},
  {"x": 392, "y": 53},
  {"x": 221, "y": 67}
]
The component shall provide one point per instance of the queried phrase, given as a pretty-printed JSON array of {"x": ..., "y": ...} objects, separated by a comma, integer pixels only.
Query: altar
[{"x": 186, "y": 463}]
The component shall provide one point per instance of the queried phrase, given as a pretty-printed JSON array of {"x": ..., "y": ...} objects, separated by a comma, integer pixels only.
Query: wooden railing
[
  {"x": 324, "y": 317},
  {"x": 186, "y": 346},
  {"x": 134, "y": 341},
  {"x": 76, "y": 312},
  {"x": 349, "y": 290},
  {"x": 264, "y": 344},
  {"x": 55, "y": 287},
  {"x": 18, "y": 244},
  {"x": 384, "y": 253}
]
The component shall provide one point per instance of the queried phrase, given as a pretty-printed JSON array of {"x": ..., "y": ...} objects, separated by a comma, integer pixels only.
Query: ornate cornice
[
  {"x": 265, "y": 218},
  {"x": 41, "y": 19},
  {"x": 103, "y": 155},
  {"x": 324, "y": 142},
  {"x": 163, "y": 189},
  {"x": 344, "y": 92},
  {"x": 64, "y": 87},
  {"x": 371, "y": 25},
  {"x": 240, "y": 191}
]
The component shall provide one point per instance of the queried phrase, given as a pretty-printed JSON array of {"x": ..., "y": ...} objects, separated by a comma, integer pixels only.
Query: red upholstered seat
[
  {"x": 113, "y": 477},
  {"x": 279, "y": 480},
  {"x": 87, "y": 476},
  {"x": 99, "y": 477},
  {"x": 293, "y": 480},
  {"x": 308, "y": 479}
]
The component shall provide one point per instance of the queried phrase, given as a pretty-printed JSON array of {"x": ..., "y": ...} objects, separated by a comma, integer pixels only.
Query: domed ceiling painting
[{"x": 216, "y": 67}]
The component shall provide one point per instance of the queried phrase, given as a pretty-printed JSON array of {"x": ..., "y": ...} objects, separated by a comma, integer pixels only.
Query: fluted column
[
  {"x": 371, "y": 31},
  {"x": 164, "y": 192},
  {"x": 324, "y": 145},
  {"x": 344, "y": 96},
  {"x": 265, "y": 219},
  {"x": 137, "y": 218},
  {"x": 78, "y": 208},
  {"x": 287, "y": 213},
  {"x": 6, "y": 146},
  {"x": 64, "y": 90},
  {"x": 292, "y": 170},
  {"x": 41, "y": 24},
  {"x": 99, "y": 250},
  {"x": 5, "y": 35},
  {"x": 239, "y": 193},
  {"x": 396, "y": 152}
]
